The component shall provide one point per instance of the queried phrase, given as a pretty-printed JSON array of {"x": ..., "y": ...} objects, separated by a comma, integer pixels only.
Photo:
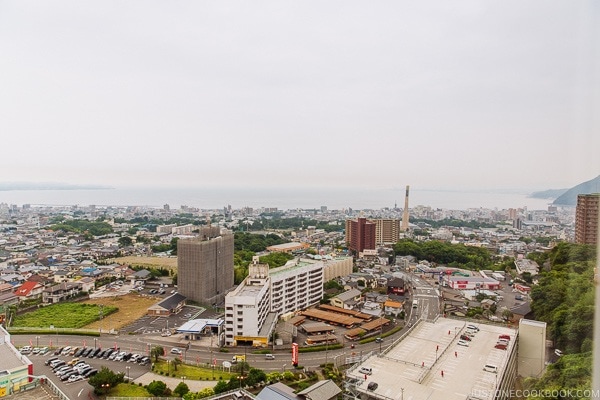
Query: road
[{"x": 427, "y": 296}]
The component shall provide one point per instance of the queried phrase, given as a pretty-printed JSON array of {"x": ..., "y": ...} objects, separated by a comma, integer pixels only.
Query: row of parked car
[
  {"x": 107, "y": 354},
  {"x": 71, "y": 371},
  {"x": 36, "y": 350},
  {"x": 468, "y": 335}
]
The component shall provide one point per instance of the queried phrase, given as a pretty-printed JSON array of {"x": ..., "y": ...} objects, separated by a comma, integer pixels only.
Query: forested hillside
[{"x": 564, "y": 299}]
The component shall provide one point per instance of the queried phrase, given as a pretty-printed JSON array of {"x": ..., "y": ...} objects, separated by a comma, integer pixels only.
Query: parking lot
[
  {"x": 127, "y": 366},
  {"x": 158, "y": 325}
]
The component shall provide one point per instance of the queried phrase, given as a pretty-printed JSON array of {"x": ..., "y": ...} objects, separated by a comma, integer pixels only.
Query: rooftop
[{"x": 415, "y": 364}]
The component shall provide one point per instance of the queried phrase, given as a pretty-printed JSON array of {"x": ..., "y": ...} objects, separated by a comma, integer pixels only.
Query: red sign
[{"x": 295, "y": 354}]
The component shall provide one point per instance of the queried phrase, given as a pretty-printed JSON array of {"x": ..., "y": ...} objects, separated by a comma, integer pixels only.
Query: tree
[
  {"x": 157, "y": 388},
  {"x": 105, "y": 380},
  {"x": 125, "y": 241},
  {"x": 507, "y": 315},
  {"x": 156, "y": 352},
  {"x": 255, "y": 376},
  {"x": 221, "y": 387},
  {"x": 176, "y": 362},
  {"x": 181, "y": 389}
]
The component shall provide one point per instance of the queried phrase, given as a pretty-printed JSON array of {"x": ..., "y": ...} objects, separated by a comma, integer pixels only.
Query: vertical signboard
[{"x": 295, "y": 354}]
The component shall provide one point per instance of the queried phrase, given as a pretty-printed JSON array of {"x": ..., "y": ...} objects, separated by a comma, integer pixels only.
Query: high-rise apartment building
[
  {"x": 586, "y": 218},
  {"x": 205, "y": 265},
  {"x": 387, "y": 231},
  {"x": 360, "y": 235}
]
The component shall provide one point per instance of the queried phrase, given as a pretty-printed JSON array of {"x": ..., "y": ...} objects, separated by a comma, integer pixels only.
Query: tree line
[{"x": 452, "y": 255}]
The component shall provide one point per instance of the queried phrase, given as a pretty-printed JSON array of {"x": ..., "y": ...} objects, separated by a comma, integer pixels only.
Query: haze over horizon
[{"x": 438, "y": 95}]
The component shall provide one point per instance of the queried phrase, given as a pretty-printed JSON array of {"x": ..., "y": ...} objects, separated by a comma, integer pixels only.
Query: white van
[
  {"x": 366, "y": 370},
  {"x": 490, "y": 368}
]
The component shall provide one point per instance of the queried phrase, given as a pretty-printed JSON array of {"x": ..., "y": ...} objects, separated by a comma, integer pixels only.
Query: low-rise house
[
  {"x": 321, "y": 390},
  {"x": 395, "y": 286},
  {"x": 61, "y": 276},
  {"x": 29, "y": 290},
  {"x": 346, "y": 300},
  {"x": 486, "y": 304},
  {"x": 391, "y": 307},
  {"x": 60, "y": 292},
  {"x": 141, "y": 275},
  {"x": 6, "y": 288},
  {"x": 168, "y": 306},
  {"x": 13, "y": 279},
  {"x": 87, "y": 284}
]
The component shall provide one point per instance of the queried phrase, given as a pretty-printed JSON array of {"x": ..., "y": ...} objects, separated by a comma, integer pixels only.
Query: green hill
[{"x": 569, "y": 198}]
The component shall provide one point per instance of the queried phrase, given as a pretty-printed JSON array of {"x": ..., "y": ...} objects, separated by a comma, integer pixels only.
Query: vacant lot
[
  {"x": 62, "y": 315},
  {"x": 148, "y": 262},
  {"x": 130, "y": 308}
]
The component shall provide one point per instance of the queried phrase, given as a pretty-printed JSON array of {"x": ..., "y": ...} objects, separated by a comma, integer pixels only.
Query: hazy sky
[{"x": 306, "y": 93}]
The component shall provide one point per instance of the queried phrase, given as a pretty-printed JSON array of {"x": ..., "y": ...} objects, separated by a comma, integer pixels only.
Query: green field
[{"x": 63, "y": 315}]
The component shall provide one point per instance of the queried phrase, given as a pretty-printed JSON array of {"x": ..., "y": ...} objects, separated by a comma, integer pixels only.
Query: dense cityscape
[{"x": 353, "y": 287}]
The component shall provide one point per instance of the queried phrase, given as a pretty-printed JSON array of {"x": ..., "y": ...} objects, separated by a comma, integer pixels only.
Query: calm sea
[{"x": 281, "y": 198}]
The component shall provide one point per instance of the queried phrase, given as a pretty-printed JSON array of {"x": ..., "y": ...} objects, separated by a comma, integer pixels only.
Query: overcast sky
[{"x": 435, "y": 94}]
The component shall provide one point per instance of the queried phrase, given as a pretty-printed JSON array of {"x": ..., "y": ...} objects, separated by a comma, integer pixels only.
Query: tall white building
[
  {"x": 252, "y": 309},
  {"x": 296, "y": 285}
]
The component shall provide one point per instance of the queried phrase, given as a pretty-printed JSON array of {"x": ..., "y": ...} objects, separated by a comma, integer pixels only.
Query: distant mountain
[
  {"x": 7, "y": 186},
  {"x": 548, "y": 194},
  {"x": 569, "y": 198}
]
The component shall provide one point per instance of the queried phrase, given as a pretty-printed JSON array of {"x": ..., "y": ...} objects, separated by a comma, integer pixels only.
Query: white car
[
  {"x": 463, "y": 343},
  {"x": 75, "y": 378},
  {"x": 176, "y": 350}
]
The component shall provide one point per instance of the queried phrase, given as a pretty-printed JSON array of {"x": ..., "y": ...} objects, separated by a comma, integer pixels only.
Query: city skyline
[{"x": 270, "y": 94}]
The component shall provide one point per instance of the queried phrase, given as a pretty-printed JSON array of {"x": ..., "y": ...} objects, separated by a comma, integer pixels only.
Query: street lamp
[
  {"x": 183, "y": 379},
  {"x": 95, "y": 340},
  {"x": 128, "y": 368},
  {"x": 168, "y": 367},
  {"x": 37, "y": 341}
]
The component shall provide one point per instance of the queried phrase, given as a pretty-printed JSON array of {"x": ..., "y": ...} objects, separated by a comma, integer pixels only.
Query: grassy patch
[
  {"x": 192, "y": 372},
  {"x": 129, "y": 390},
  {"x": 63, "y": 315}
]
